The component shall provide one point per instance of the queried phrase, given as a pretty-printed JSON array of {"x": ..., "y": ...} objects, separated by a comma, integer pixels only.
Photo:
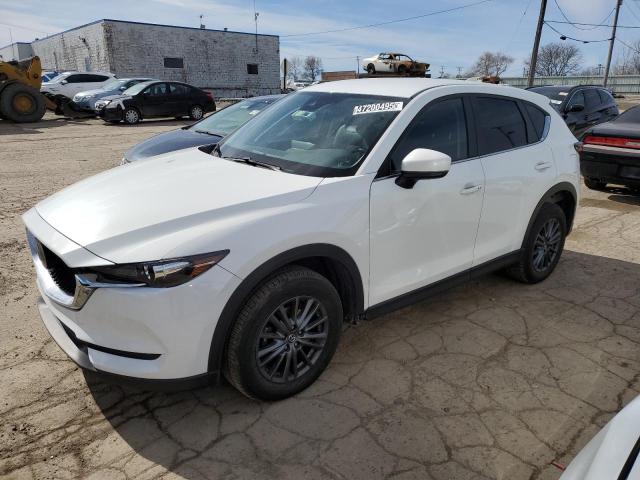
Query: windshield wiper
[
  {"x": 253, "y": 163},
  {"x": 209, "y": 133}
]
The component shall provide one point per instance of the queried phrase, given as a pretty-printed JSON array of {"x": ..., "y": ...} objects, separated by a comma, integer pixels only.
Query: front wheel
[
  {"x": 542, "y": 247},
  {"x": 371, "y": 69},
  {"x": 285, "y": 335},
  {"x": 131, "y": 116}
]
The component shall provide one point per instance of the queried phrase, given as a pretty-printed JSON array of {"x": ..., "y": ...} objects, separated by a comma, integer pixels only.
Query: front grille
[{"x": 62, "y": 275}]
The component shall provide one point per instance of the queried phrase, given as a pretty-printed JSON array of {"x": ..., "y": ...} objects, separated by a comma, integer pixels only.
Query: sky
[{"x": 446, "y": 41}]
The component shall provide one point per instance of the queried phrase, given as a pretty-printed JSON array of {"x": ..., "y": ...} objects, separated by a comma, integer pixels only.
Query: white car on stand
[{"x": 345, "y": 199}]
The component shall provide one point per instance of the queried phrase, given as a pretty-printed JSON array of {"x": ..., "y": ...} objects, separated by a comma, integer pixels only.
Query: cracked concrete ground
[{"x": 491, "y": 380}]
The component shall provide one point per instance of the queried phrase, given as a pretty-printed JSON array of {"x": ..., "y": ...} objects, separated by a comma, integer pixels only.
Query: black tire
[
  {"x": 526, "y": 270},
  {"x": 131, "y": 116},
  {"x": 289, "y": 289},
  {"x": 112, "y": 121},
  {"x": 196, "y": 112},
  {"x": 402, "y": 69},
  {"x": 22, "y": 104},
  {"x": 594, "y": 184},
  {"x": 371, "y": 69}
]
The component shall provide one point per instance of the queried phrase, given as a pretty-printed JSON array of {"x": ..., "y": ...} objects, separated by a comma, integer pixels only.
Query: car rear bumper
[{"x": 611, "y": 164}]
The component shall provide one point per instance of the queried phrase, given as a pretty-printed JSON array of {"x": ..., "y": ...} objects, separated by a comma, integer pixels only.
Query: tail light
[
  {"x": 620, "y": 142},
  {"x": 210, "y": 95}
]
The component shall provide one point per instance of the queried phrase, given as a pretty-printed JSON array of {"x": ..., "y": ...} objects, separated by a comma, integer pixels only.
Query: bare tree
[
  {"x": 558, "y": 59},
  {"x": 491, "y": 64},
  {"x": 312, "y": 67},
  {"x": 294, "y": 68},
  {"x": 629, "y": 61}
]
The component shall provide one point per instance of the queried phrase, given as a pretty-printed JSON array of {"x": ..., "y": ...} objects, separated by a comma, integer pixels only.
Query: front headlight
[{"x": 158, "y": 274}]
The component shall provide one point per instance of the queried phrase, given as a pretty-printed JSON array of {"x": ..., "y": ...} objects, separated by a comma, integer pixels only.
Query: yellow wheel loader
[{"x": 20, "y": 97}]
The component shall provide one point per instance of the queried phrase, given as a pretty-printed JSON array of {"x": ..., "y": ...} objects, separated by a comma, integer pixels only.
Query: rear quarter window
[
  {"x": 500, "y": 124},
  {"x": 538, "y": 117}
]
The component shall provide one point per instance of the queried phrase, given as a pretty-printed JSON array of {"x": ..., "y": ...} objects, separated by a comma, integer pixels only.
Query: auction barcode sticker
[{"x": 377, "y": 107}]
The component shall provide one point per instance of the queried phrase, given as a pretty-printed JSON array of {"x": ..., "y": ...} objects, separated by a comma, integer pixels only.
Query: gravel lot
[{"x": 490, "y": 380}]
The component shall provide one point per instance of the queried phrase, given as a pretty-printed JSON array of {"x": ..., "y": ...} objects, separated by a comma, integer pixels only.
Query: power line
[
  {"x": 515, "y": 32},
  {"x": 567, "y": 37},
  {"x": 575, "y": 24},
  {"x": 627, "y": 45},
  {"x": 389, "y": 21},
  {"x": 591, "y": 24},
  {"x": 629, "y": 9}
]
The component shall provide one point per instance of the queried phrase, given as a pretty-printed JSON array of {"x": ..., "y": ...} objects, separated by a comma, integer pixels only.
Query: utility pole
[
  {"x": 442, "y": 71},
  {"x": 611, "y": 42},
  {"x": 459, "y": 72},
  {"x": 255, "y": 19},
  {"x": 536, "y": 44},
  {"x": 358, "y": 66}
]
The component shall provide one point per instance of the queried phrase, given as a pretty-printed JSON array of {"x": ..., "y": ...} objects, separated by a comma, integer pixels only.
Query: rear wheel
[
  {"x": 542, "y": 247},
  {"x": 371, "y": 69},
  {"x": 196, "y": 112},
  {"x": 285, "y": 335},
  {"x": 594, "y": 184},
  {"x": 21, "y": 104},
  {"x": 131, "y": 116}
]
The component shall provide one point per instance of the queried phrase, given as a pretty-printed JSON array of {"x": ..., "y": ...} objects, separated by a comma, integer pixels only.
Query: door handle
[
  {"x": 469, "y": 189},
  {"x": 540, "y": 166}
]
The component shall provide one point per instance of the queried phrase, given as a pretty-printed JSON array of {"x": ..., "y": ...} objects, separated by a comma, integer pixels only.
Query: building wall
[
  {"x": 629, "y": 84},
  {"x": 16, "y": 51},
  {"x": 211, "y": 59},
  {"x": 82, "y": 49}
]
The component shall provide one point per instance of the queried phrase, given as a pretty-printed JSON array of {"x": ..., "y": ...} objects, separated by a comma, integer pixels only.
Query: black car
[
  {"x": 156, "y": 99},
  {"x": 610, "y": 153},
  {"x": 208, "y": 131},
  {"x": 581, "y": 106}
]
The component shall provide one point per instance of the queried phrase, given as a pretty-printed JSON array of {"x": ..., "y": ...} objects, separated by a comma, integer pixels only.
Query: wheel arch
[
  {"x": 328, "y": 260},
  {"x": 564, "y": 195}
]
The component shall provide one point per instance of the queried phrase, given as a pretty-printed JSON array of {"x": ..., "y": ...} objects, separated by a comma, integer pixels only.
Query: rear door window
[
  {"x": 605, "y": 97},
  {"x": 577, "y": 99},
  {"x": 592, "y": 99},
  {"x": 499, "y": 124}
]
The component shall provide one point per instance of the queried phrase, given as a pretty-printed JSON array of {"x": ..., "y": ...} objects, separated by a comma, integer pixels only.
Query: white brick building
[{"x": 230, "y": 63}]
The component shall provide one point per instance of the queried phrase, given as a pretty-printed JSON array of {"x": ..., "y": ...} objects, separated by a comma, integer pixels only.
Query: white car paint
[
  {"x": 188, "y": 202},
  {"x": 60, "y": 85},
  {"x": 606, "y": 454}
]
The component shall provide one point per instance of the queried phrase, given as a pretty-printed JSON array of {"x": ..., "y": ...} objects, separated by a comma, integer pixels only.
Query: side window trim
[
  {"x": 547, "y": 121},
  {"x": 385, "y": 169}
]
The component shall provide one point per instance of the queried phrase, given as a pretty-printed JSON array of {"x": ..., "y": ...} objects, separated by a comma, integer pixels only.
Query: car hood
[
  {"x": 96, "y": 91},
  {"x": 145, "y": 210},
  {"x": 604, "y": 457},
  {"x": 169, "y": 142},
  {"x": 116, "y": 97}
]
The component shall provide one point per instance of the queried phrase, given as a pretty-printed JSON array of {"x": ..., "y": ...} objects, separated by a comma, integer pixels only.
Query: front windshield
[
  {"x": 113, "y": 85},
  {"x": 225, "y": 121},
  {"x": 314, "y": 133},
  {"x": 136, "y": 89}
]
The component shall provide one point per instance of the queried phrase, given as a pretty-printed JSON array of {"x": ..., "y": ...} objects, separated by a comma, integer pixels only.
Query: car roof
[{"x": 392, "y": 87}]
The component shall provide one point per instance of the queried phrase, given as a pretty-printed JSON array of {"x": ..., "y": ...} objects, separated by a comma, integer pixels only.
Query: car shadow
[{"x": 437, "y": 383}]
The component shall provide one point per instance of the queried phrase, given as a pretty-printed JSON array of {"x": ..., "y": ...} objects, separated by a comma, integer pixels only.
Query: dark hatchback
[
  {"x": 610, "y": 153},
  {"x": 581, "y": 106},
  {"x": 208, "y": 131},
  {"x": 156, "y": 99}
]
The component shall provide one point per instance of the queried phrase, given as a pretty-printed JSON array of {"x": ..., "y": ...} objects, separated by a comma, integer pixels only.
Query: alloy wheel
[
  {"x": 292, "y": 339},
  {"x": 547, "y": 245}
]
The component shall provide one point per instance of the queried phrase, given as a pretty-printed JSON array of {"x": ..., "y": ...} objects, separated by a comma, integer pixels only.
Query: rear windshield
[
  {"x": 555, "y": 94},
  {"x": 629, "y": 116}
]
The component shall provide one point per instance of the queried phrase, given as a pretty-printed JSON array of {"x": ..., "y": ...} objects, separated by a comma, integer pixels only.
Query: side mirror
[
  {"x": 122, "y": 88},
  {"x": 422, "y": 163},
  {"x": 576, "y": 107},
  {"x": 63, "y": 82}
]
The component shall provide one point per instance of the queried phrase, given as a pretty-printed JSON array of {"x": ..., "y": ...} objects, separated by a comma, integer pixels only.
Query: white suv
[
  {"x": 70, "y": 83},
  {"x": 345, "y": 199}
]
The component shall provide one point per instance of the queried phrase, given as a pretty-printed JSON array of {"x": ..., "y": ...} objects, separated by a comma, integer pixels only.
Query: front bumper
[
  {"x": 145, "y": 333},
  {"x": 611, "y": 164},
  {"x": 107, "y": 113}
]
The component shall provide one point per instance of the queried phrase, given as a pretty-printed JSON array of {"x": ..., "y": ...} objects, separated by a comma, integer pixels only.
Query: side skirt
[{"x": 428, "y": 291}]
